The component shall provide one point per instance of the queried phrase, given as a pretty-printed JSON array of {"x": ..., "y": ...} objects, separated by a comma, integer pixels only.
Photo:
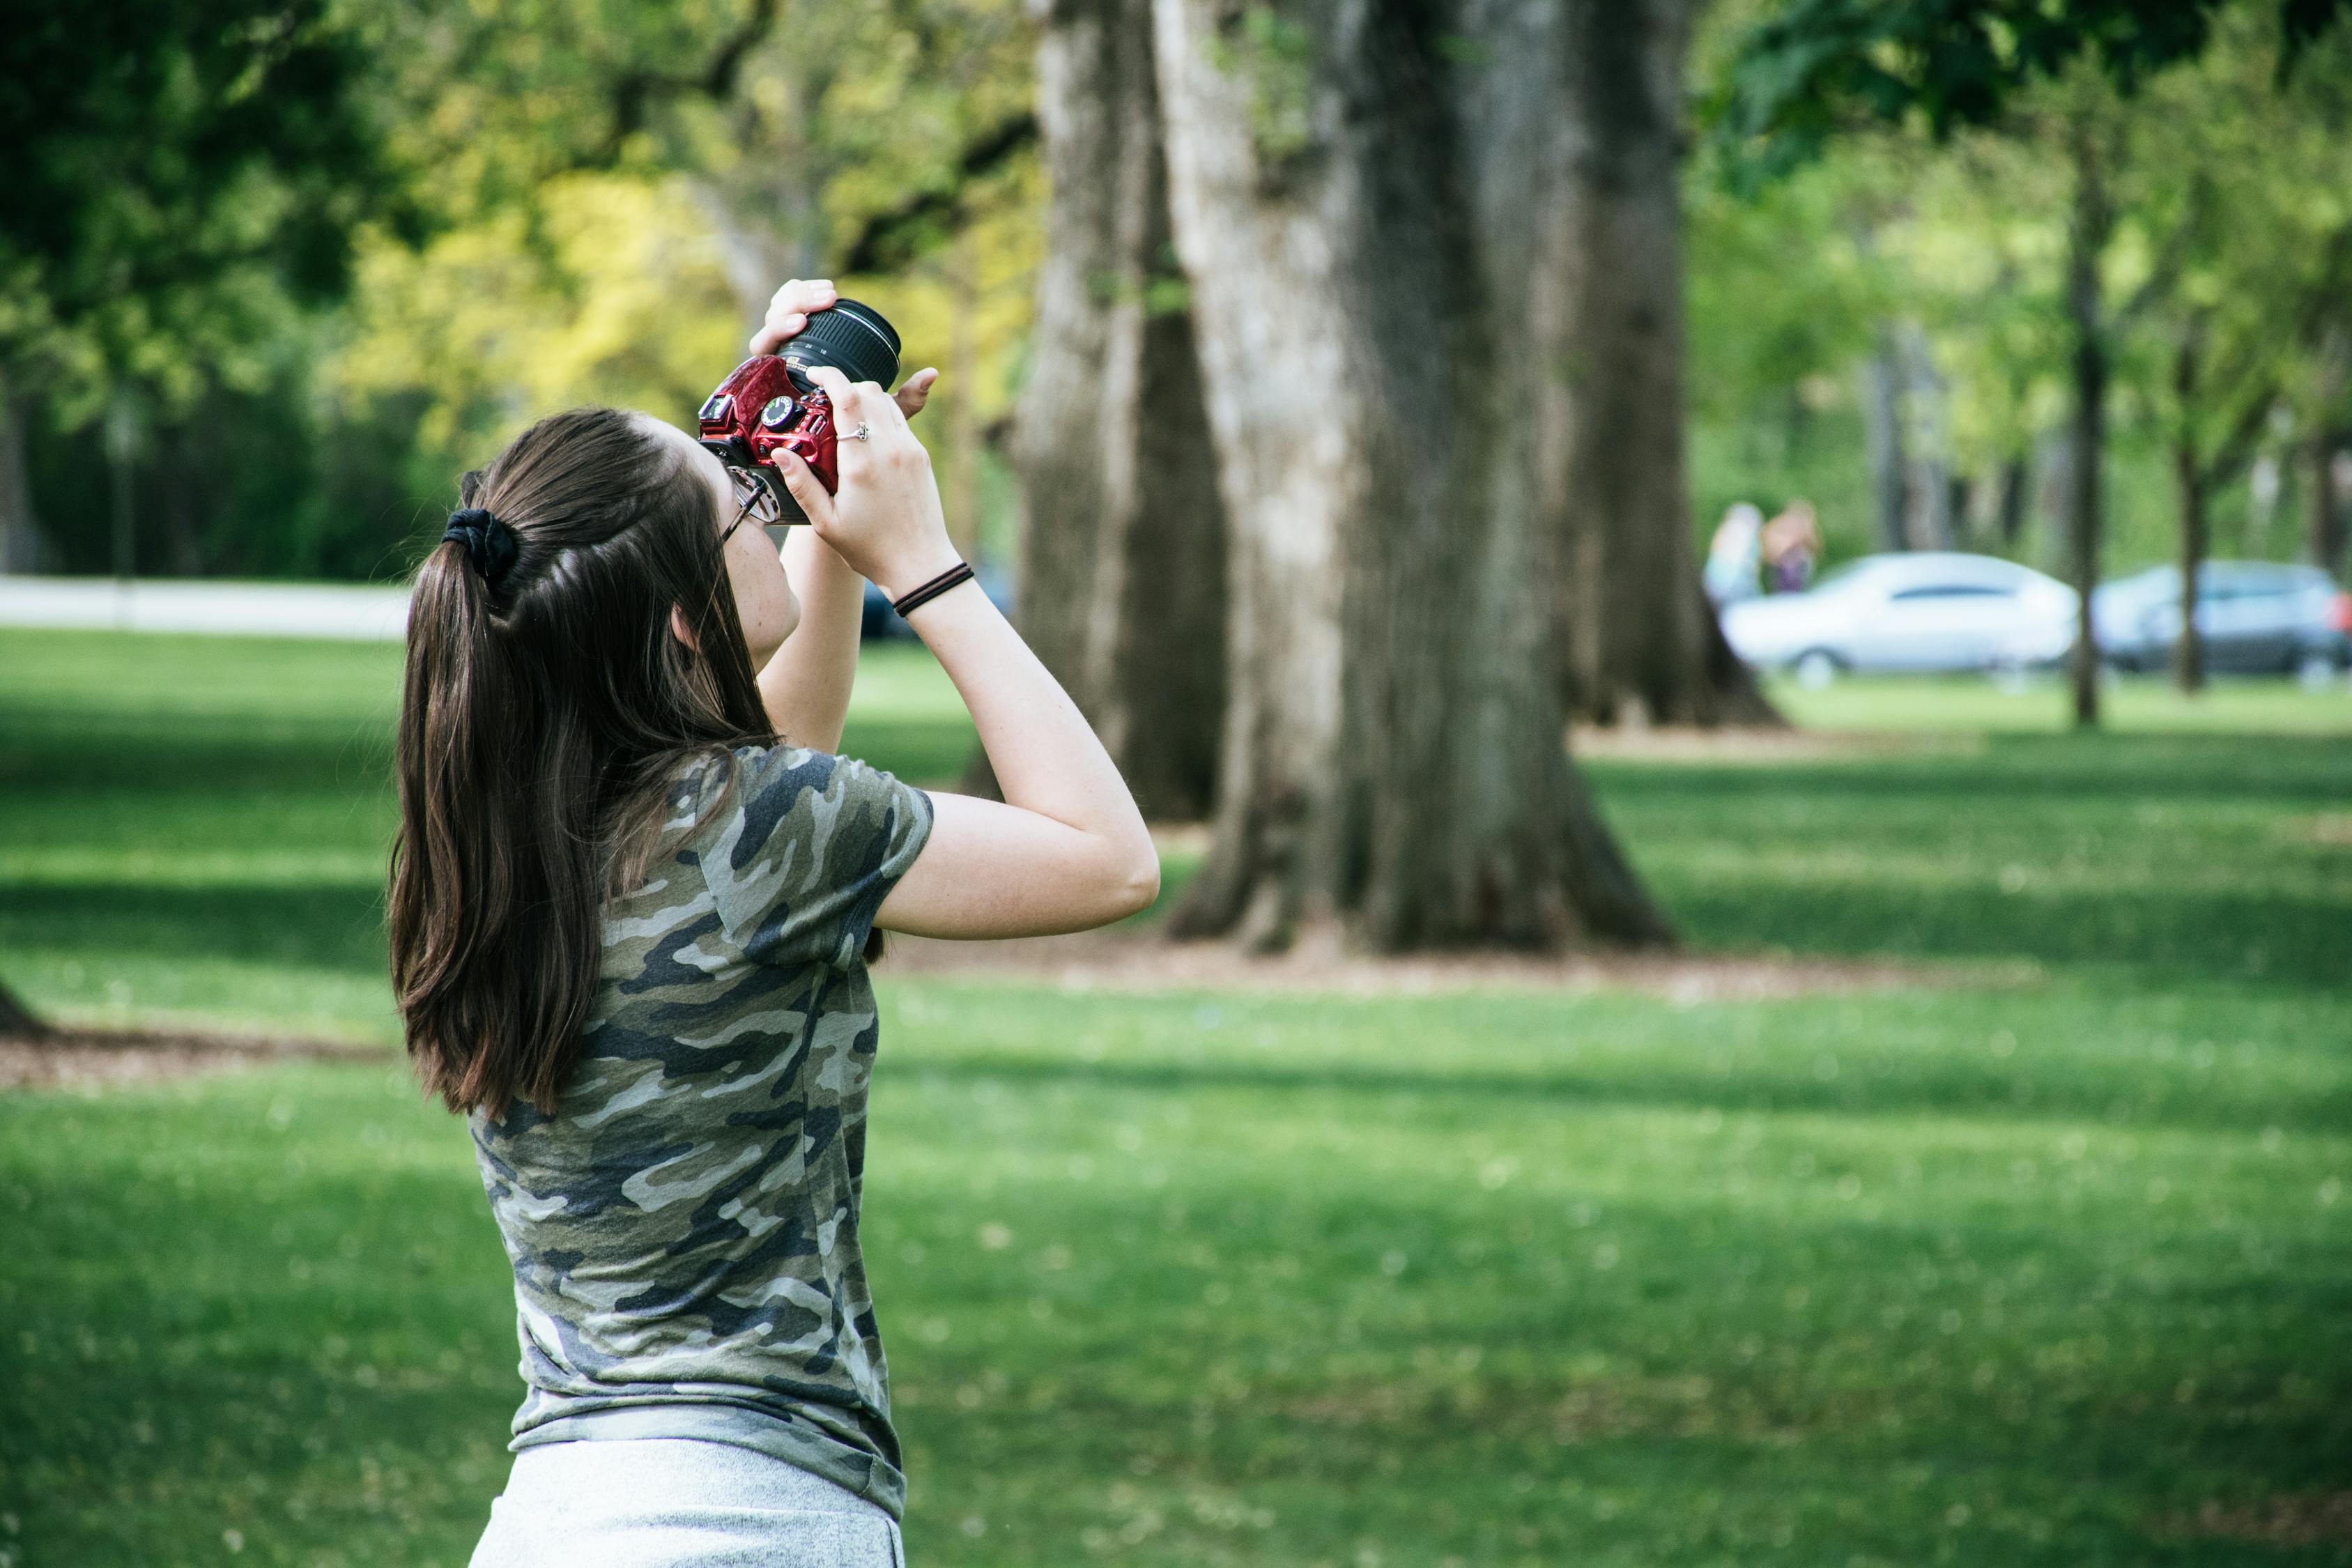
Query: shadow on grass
[
  {"x": 319, "y": 926},
  {"x": 2159, "y": 769},
  {"x": 2159, "y": 853},
  {"x": 1661, "y": 1082},
  {"x": 2280, "y": 939}
]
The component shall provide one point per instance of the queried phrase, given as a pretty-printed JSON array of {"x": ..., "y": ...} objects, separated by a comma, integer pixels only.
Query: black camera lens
[{"x": 852, "y": 338}]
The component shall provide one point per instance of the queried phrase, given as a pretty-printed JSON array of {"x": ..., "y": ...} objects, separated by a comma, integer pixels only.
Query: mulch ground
[
  {"x": 91, "y": 1058},
  {"x": 1321, "y": 962}
]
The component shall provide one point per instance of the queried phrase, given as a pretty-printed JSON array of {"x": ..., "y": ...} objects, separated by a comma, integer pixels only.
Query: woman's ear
[{"x": 680, "y": 630}]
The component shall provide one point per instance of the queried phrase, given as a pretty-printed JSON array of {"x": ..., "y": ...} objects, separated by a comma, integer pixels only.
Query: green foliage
[
  {"x": 2227, "y": 173},
  {"x": 1816, "y": 68},
  {"x": 594, "y": 200},
  {"x": 2024, "y": 1258},
  {"x": 172, "y": 165}
]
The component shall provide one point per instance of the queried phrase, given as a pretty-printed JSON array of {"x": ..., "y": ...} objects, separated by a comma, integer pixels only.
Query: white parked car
[{"x": 1917, "y": 611}]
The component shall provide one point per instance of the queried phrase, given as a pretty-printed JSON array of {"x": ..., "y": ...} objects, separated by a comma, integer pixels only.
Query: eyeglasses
[{"x": 757, "y": 500}]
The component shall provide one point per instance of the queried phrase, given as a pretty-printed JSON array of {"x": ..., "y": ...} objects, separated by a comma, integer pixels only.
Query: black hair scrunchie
[{"x": 489, "y": 544}]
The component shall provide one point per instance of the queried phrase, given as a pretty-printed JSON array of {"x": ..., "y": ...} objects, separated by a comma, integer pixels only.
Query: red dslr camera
[{"x": 768, "y": 402}]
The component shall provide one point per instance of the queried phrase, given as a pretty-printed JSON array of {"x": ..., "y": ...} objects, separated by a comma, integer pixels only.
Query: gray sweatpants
[{"x": 678, "y": 1502}]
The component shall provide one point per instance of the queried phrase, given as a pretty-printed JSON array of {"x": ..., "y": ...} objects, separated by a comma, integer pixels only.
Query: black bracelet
[{"x": 917, "y": 597}]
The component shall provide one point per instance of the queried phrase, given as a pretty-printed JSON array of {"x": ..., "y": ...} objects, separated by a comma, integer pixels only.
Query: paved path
[{"x": 248, "y": 609}]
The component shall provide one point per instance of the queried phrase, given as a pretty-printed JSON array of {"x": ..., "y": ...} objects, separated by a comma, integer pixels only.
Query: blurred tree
[
  {"x": 1123, "y": 528},
  {"x": 1368, "y": 202},
  {"x": 1820, "y": 68},
  {"x": 1637, "y": 638},
  {"x": 2329, "y": 449},
  {"x": 182, "y": 172},
  {"x": 179, "y": 170},
  {"x": 815, "y": 140},
  {"x": 606, "y": 288},
  {"x": 2257, "y": 226}
]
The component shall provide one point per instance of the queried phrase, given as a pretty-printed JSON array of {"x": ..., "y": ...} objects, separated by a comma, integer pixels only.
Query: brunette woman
[{"x": 632, "y": 900}]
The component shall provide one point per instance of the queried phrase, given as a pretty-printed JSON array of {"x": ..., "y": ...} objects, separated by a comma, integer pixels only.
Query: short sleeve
[{"x": 809, "y": 844}]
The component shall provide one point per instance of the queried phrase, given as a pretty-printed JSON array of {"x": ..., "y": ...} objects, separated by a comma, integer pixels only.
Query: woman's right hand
[{"x": 886, "y": 521}]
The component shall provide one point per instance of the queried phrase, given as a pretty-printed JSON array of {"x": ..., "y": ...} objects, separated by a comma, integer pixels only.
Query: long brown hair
[{"x": 539, "y": 723}]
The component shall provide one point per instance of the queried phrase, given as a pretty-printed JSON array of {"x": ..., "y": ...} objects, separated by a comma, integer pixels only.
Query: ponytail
[{"x": 545, "y": 710}]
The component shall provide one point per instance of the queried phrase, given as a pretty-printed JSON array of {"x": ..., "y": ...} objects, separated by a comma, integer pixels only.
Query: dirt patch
[
  {"x": 95, "y": 1059},
  {"x": 2298, "y": 1518},
  {"x": 1320, "y": 962},
  {"x": 1766, "y": 747},
  {"x": 2333, "y": 828}
]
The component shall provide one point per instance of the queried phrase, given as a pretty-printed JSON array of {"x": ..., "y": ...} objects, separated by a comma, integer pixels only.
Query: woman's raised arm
[
  {"x": 1067, "y": 849},
  {"x": 805, "y": 684}
]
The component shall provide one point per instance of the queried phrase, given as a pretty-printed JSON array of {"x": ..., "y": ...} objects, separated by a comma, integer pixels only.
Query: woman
[{"x": 632, "y": 902}]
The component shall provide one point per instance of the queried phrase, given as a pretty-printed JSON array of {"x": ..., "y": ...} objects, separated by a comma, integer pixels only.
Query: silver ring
[{"x": 863, "y": 431}]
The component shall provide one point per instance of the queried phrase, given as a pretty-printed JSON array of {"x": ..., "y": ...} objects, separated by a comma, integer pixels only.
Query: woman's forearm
[
  {"x": 1045, "y": 755},
  {"x": 806, "y": 684}
]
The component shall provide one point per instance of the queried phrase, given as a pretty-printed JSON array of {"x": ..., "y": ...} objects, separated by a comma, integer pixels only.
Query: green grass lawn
[{"x": 2045, "y": 1265}]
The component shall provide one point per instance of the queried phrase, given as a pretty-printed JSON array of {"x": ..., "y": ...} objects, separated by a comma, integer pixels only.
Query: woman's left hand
[{"x": 788, "y": 315}]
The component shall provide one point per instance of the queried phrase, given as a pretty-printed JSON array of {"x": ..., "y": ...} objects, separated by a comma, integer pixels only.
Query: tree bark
[
  {"x": 1927, "y": 484},
  {"x": 770, "y": 208},
  {"x": 1882, "y": 434},
  {"x": 1641, "y": 637},
  {"x": 2328, "y": 448},
  {"x": 2010, "y": 511},
  {"x": 2189, "y": 494},
  {"x": 1123, "y": 593},
  {"x": 2090, "y": 225},
  {"x": 1372, "y": 204},
  {"x": 18, "y": 1021},
  {"x": 181, "y": 481},
  {"x": 20, "y": 526},
  {"x": 2331, "y": 441},
  {"x": 2189, "y": 487}
]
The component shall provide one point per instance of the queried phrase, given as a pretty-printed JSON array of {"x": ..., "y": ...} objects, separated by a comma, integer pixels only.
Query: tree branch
[
  {"x": 635, "y": 91},
  {"x": 2237, "y": 448},
  {"x": 889, "y": 238},
  {"x": 2166, "y": 273}
]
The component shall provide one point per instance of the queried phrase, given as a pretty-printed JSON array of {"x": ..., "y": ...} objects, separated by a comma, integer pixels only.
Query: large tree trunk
[
  {"x": 1640, "y": 638},
  {"x": 2092, "y": 223},
  {"x": 1123, "y": 532},
  {"x": 1371, "y": 203}
]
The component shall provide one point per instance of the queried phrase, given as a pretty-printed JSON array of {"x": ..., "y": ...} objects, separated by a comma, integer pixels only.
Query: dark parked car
[{"x": 2257, "y": 618}]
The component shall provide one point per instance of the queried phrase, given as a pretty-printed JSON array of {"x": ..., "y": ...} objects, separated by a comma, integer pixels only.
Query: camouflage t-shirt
[{"x": 683, "y": 1229}]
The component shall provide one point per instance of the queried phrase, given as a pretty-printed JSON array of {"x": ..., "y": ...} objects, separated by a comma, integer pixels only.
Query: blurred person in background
[
  {"x": 1734, "y": 554},
  {"x": 1792, "y": 547}
]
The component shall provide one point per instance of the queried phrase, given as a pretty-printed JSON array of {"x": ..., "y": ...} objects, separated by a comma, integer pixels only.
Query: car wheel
[
  {"x": 2315, "y": 670},
  {"x": 1815, "y": 667}
]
